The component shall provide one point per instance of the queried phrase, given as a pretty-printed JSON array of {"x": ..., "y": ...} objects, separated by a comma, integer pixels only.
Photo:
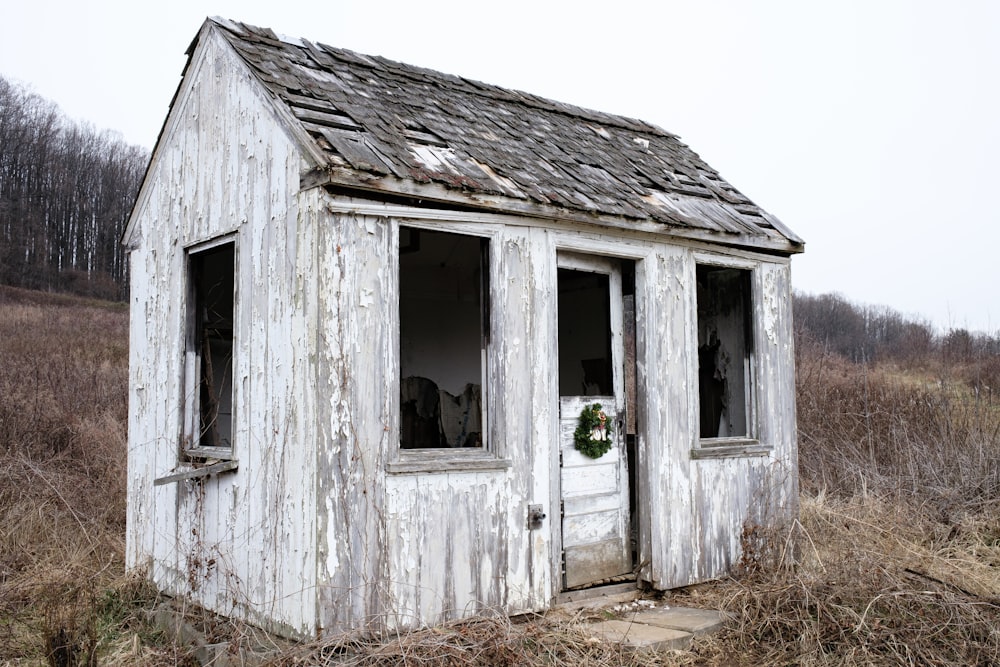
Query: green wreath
[{"x": 592, "y": 418}]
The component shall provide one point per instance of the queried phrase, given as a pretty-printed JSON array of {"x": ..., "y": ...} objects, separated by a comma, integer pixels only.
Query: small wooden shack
[{"x": 407, "y": 347}]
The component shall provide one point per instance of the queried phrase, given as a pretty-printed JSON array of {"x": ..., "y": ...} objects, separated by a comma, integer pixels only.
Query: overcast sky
[{"x": 871, "y": 128}]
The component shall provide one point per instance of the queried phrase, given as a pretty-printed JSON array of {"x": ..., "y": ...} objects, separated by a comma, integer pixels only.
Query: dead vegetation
[
  {"x": 895, "y": 558},
  {"x": 64, "y": 598},
  {"x": 492, "y": 640}
]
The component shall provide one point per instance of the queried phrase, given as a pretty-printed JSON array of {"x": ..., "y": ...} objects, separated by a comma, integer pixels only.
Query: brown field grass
[
  {"x": 895, "y": 558},
  {"x": 63, "y": 386}
]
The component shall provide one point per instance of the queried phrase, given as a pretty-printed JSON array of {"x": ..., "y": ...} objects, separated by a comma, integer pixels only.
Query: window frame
[
  {"x": 742, "y": 445},
  {"x": 491, "y": 455},
  {"x": 191, "y": 451}
]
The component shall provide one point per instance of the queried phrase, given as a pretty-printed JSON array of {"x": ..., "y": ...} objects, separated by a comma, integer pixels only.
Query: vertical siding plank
[
  {"x": 223, "y": 165},
  {"x": 354, "y": 411},
  {"x": 669, "y": 381},
  {"x": 541, "y": 465}
]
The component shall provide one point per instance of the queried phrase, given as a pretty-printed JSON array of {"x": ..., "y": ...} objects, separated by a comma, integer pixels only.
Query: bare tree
[{"x": 66, "y": 191}]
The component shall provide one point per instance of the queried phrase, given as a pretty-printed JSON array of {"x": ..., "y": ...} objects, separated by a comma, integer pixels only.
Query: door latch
[{"x": 535, "y": 516}]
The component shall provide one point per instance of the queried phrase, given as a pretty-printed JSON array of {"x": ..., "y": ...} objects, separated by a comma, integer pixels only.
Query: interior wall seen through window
[
  {"x": 724, "y": 346},
  {"x": 213, "y": 277},
  {"x": 442, "y": 341},
  {"x": 584, "y": 334}
]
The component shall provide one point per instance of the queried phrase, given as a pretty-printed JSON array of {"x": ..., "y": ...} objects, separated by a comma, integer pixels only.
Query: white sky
[{"x": 870, "y": 127}]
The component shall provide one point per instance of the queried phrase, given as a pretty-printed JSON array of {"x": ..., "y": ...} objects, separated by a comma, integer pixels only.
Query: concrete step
[
  {"x": 695, "y": 621},
  {"x": 641, "y": 636},
  {"x": 659, "y": 629}
]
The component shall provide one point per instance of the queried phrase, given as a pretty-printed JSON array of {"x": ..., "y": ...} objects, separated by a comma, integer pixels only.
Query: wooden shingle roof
[{"x": 385, "y": 127}]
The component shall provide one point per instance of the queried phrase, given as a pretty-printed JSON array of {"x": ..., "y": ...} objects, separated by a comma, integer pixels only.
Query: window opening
[
  {"x": 724, "y": 351},
  {"x": 584, "y": 334},
  {"x": 211, "y": 346},
  {"x": 443, "y": 338}
]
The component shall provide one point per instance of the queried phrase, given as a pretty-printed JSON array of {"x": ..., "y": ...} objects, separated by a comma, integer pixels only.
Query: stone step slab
[
  {"x": 641, "y": 636},
  {"x": 695, "y": 621},
  {"x": 661, "y": 629}
]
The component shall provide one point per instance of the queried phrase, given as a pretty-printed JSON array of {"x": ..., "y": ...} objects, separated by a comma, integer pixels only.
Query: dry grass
[
  {"x": 922, "y": 435},
  {"x": 63, "y": 382},
  {"x": 895, "y": 558},
  {"x": 493, "y": 640},
  {"x": 875, "y": 583}
]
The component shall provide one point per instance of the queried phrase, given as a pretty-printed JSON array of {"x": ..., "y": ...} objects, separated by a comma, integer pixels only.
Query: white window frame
[
  {"x": 743, "y": 445},
  {"x": 490, "y": 455},
  {"x": 191, "y": 449}
]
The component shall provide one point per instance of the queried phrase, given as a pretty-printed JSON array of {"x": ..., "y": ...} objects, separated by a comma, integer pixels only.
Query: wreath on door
[{"x": 592, "y": 436}]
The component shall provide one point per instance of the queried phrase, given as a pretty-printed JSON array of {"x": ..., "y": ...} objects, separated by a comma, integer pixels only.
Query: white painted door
[{"x": 594, "y": 492}]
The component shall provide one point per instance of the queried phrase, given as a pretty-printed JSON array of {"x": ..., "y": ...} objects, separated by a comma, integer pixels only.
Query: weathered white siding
[
  {"x": 404, "y": 546},
  {"x": 326, "y": 527},
  {"x": 243, "y": 542},
  {"x": 354, "y": 376},
  {"x": 708, "y": 500}
]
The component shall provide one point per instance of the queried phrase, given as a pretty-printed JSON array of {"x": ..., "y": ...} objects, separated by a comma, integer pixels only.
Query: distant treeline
[
  {"x": 878, "y": 333},
  {"x": 66, "y": 191}
]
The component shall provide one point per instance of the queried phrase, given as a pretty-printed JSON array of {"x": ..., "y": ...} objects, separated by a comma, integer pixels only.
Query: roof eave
[{"x": 369, "y": 184}]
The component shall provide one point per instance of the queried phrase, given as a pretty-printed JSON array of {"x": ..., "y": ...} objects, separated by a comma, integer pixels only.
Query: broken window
[
  {"x": 209, "y": 366},
  {"x": 443, "y": 337},
  {"x": 585, "y": 367},
  {"x": 725, "y": 345}
]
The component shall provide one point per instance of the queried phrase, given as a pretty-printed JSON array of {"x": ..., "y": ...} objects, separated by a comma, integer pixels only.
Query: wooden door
[{"x": 594, "y": 492}]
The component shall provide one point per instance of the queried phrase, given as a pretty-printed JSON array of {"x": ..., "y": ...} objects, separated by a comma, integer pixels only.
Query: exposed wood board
[
  {"x": 594, "y": 562},
  {"x": 431, "y": 192},
  {"x": 590, "y": 527},
  {"x": 358, "y": 151},
  {"x": 726, "y": 451},
  {"x": 194, "y": 473},
  {"x": 327, "y": 119}
]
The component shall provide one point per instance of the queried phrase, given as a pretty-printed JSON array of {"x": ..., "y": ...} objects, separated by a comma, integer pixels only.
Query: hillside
[{"x": 895, "y": 558}]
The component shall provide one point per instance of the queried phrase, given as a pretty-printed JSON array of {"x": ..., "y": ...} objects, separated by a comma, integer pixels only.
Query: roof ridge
[{"x": 465, "y": 84}]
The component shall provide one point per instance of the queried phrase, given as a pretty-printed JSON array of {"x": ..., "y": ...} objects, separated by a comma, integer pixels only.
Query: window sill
[
  {"x": 195, "y": 473},
  {"x": 445, "y": 460},
  {"x": 219, "y": 453},
  {"x": 723, "y": 448}
]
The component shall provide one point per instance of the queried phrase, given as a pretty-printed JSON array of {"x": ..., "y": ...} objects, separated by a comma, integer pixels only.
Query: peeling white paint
[
  {"x": 316, "y": 532},
  {"x": 367, "y": 298},
  {"x": 209, "y": 539}
]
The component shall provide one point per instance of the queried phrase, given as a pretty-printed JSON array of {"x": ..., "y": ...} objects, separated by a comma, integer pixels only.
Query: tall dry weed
[
  {"x": 889, "y": 431},
  {"x": 877, "y": 584},
  {"x": 63, "y": 387},
  {"x": 897, "y": 548}
]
